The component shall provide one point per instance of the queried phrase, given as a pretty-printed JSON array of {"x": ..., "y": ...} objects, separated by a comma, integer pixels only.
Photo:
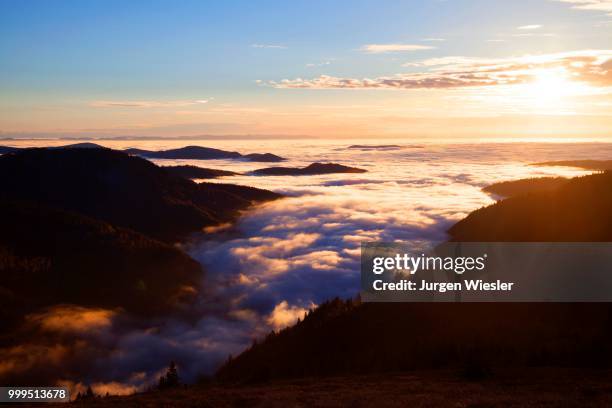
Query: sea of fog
[{"x": 284, "y": 257}]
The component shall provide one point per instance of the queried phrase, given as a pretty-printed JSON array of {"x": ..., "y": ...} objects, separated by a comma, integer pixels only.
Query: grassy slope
[{"x": 512, "y": 388}]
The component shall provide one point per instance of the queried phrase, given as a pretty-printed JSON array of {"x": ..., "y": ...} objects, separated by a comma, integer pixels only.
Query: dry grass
[{"x": 516, "y": 388}]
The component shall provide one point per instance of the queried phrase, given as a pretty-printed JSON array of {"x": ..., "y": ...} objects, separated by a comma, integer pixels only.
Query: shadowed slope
[
  {"x": 524, "y": 186},
  {"x": 579, "y": 210},
  {"x": 50, "y": 256},
  {"x": 121, "y": 189}
]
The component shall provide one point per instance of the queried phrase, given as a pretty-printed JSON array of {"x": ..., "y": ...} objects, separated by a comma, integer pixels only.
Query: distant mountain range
[
  {"x": 203, "y": 153},
  {"x": 310, "y": 170},
  {"x": 186, "y": 153}
]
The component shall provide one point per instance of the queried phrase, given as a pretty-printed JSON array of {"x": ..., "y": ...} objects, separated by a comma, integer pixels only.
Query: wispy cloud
[
  {"x": 597, "y": 5},
  {"x": 588, "y": 66},
  {"x": 385, "y": 48},
  {"x": 148, "y": 103},
  {"x": 529, "y": 27},
  {"x": 277, "y": 46},
  {"x": 318, "y": 64},
  {"x": 532, "y": 34},
  {"x": 434, "y": 39}
]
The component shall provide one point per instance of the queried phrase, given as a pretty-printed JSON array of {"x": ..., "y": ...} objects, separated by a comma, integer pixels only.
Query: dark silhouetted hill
[
  {"x": 195, "y": 172},
  {"x": 579, "y": 210},
  {"x": 86, "y": 145},
  {"x": 120, "y": 189},
  {"x": 263, "y": 157},
  {"x": 202, "y": 153},
  {"x": 348, "y": 337},
  {"x": 8, "y": 149},
  {"x": 477, "y": 339},
  {"x": 50, "y": 256},
  {"x": 188, "y": 152},
  {"x": 310, "y": 170},
  {"x": 371, "y": 147},
  {"x": 524, "y": 186},
  {"x": 583, "y": 164}
]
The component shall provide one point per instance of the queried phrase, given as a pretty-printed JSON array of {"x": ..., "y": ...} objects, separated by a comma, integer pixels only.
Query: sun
[
  {"x": 551, "y": 85},
  {"x": 551, "y": 91}
]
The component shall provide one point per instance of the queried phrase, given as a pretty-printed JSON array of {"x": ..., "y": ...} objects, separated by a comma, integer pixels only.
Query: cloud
[
  {"x": 593, "y": 67},
  {"x": 276, "y": 46},
  {"x": 529, "y": 27},
  {"x": 434, "y": 39},
  {"x": 284, "y": 315},
  {"x": 318, "y": 64},
  {"x": 534, "y": 35},
  {"x": 281, "y": 259},
  {"x": 595, "y": 5},
  {"x": 385, "y": 48},
  {"x": 70, "y": 318},
  {"x": 148, "y": 104},
  {"x": 99, "y": 388},
  {"x": 24, "y": 357}
]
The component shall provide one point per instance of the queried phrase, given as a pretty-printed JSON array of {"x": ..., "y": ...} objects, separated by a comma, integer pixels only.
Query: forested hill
[
  {"x": 120, "y": 189},
  {"x": 349, "y": 337},
  {"x": 578, "y": 210}
]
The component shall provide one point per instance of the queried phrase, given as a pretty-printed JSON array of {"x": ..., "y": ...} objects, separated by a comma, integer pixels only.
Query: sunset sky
[{"x": 430, "y": 68}]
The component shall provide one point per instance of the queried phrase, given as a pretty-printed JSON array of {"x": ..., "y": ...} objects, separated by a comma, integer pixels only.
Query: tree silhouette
[{"x": 171, "y": 379}]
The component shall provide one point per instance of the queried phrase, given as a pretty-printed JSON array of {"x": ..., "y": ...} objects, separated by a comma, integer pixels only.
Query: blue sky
[{"x": 68, "y": 56}]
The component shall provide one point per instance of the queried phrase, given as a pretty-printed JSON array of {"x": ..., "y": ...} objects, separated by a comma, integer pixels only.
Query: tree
[{"x": 171, "y": 379}]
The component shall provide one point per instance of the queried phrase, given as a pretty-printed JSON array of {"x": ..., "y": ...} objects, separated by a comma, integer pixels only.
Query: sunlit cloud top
[
  {"x": 593, "y": 67},
  {"x": 597, "y": 5}
]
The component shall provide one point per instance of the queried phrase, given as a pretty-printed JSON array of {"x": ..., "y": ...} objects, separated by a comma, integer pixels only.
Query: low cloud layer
[
  {"x": 592, "y": 67},
  {"x": 280, "y": 260},
  {"x": 148, "y": 104}
]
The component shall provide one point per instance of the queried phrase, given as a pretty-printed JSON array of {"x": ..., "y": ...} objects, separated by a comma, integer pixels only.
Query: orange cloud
[
  {"x": 589, "y": 66},
  {"x": 284, "y": 315},
  {"x": 99, "y": 388},
  {"x": 22, "y": 358},
  {"x": 75, "y": 319}
]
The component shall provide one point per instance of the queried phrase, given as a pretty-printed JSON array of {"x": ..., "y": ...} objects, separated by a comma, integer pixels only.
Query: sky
[{"x": 430, "y": 68}]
